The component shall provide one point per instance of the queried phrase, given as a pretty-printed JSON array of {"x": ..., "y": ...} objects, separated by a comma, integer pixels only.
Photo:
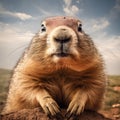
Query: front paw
[
  {"x": 75, "y": 107},
  {"x": 50, "y": 106}
]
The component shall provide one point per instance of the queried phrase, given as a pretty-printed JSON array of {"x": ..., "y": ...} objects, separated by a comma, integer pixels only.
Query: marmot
[{"x": 61, "y": 68}]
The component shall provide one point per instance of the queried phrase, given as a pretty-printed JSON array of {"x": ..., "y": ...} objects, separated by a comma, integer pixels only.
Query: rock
[
  {"x": 117, "y": 88},
  {"x": 115, "y": 110}
]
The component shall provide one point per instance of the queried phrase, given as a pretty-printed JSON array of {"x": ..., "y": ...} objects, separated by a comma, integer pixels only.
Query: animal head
[{"x": 62, "y": 43}]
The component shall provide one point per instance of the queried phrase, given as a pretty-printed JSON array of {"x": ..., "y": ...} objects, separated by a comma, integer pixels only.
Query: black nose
[{"x": 62, "y": 39}]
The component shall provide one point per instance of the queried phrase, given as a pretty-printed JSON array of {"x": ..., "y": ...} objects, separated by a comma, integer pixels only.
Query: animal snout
[
  {"x": 62, "y": 35},
  {"x": 62, "y": 39}
]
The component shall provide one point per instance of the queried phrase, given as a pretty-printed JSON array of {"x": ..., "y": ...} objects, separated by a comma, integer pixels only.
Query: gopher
[{"x": 61, "y": 68}]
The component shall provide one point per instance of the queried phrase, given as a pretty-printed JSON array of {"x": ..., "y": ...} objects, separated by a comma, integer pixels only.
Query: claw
[
  {"x": 58, "y": 116},
  {"x": 76, "y": 107},
  {"x": 68, "y": 115},
  {"x": 72, "y": 116},
  {"x": 49, "y": 106}
]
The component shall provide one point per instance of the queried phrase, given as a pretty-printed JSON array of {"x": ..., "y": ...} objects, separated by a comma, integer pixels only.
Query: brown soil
[{"x": 35, "y": 114}]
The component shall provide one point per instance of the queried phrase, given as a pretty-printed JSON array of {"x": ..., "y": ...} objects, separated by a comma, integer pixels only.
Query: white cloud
[
  {"x": 108, "y": 46},
  {"x": 68, "y": 2},
  {"x": 100, "y": 24},
  {"x": 70, "y": 9},
  {"x": 74, "y": 9},
  {"x": 115, "y": 11},
  {"x": 22, "y": 16},
  {"x": 117, "y": 5},
  {"x": 13, "y": 41},
  {"x": 77, "y": 1},
  {"x": 96, "y": 25},
  {"x": 10, "y": 33},
  {"x": 43, "y": 11}
]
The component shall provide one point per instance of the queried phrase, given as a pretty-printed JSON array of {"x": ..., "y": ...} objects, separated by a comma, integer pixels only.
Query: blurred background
[{"x": 20, "y": 21}]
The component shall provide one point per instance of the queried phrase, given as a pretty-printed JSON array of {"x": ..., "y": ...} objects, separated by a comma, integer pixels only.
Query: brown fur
[{"x": 76, "y": 82}]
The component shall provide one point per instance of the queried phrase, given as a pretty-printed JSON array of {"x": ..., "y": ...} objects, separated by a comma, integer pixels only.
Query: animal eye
[
  {"x": 43, "y": 28},
  {"x": 80, "y": 27}
]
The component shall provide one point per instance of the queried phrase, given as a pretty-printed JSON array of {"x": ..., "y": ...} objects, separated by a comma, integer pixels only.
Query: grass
[
  {"x": 111, "y": 96},
  {"x": 114, "y": 81},
  {"x": 4, "y": 83}
]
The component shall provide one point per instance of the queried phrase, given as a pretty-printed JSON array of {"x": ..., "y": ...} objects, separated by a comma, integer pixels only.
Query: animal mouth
[
  {"x": 62, "y": 51},
  {"x": 61, "y": 54}
]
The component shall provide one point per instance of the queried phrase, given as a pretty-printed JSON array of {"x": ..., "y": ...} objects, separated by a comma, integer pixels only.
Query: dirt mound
[{"x": 35, "y": 114}]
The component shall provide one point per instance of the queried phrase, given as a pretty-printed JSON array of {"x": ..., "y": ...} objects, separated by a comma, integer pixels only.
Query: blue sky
[{"x": 20, "y": 20}]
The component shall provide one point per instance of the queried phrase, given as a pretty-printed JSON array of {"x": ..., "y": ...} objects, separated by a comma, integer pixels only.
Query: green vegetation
[
  {"x": 4, "y": 83},
  {"x": 114, "y": 81},
  {"x": 112, "y": 95}
]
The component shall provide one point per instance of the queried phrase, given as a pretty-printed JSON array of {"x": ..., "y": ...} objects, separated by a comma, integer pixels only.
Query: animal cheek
[{"x": 50, "y": 47}]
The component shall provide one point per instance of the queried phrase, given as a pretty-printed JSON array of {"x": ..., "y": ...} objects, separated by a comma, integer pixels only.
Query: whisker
[{"x": 18, "y": 48}]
